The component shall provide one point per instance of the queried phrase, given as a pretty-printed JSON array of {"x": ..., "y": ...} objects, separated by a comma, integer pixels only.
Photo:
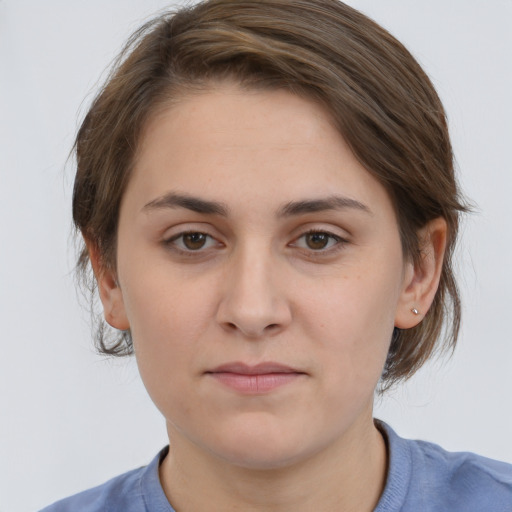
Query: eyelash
[
  {"x": 171, "y": 242},
  {"x": 339, "y": 243}
]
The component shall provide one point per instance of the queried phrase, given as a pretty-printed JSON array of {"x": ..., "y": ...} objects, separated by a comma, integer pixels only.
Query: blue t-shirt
[{"x": 422, "y": 477}]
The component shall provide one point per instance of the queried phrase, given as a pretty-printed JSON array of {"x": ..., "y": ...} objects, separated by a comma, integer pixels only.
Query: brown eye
[
  {"x": 194, "y": 241},
  {"x": 317, "y": 241}
]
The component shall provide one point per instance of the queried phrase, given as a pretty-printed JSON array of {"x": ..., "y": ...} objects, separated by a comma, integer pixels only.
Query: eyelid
[
  {"x": 340, "y": 242},
  {"x": 320, "y": 232},
  {"x": 183, "y": 228},
  {"x": 171, "y": 242}
]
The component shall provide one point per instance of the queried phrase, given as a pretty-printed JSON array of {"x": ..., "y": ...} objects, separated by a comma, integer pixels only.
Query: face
[{"x": 261, "y": 273}]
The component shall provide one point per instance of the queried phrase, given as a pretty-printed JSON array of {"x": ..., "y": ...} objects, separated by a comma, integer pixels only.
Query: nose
[{"x": 254, "y": 301}]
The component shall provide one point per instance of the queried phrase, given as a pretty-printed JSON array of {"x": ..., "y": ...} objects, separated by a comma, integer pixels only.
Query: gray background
[{"x": 70, "y": 419}]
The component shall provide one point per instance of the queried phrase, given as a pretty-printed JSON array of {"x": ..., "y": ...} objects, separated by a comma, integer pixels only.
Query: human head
[{"x": 380, "y": 100}]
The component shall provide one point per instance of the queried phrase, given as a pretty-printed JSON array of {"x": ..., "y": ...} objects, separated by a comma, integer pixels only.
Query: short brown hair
[{"x": 381, "y": 100}]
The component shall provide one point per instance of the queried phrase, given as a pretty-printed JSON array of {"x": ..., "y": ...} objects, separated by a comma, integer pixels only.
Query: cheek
[
  {"x": 165, "y": 305},
  {"x": 358, "y": 306},
  {"x": 164, "y": 334},
  {"x": 168, "y": 319},
  {"x": 352, "y": 321}
]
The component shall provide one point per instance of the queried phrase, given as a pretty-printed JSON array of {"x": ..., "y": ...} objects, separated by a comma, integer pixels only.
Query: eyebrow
[
  {"x": 195, "y": 204},
  {"x": 320, "y": 205}
]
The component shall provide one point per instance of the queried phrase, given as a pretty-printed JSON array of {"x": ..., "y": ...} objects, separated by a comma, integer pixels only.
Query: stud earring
[{"x": 415, "y": 311}]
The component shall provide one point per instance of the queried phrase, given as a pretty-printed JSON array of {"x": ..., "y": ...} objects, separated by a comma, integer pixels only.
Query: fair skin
[{"x": 260, "y": 271}]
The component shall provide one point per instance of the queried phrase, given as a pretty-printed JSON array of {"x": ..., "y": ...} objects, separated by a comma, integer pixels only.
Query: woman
[{"x": 266, "y": 194}]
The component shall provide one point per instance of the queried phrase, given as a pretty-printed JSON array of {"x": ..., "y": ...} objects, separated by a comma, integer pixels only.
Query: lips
[
  {"x": 255, "y": 379},
  {"x": 258, "y": 369}
]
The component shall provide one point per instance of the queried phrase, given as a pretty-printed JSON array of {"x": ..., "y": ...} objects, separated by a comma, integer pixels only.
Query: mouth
[{"x": 255, "y": 379}]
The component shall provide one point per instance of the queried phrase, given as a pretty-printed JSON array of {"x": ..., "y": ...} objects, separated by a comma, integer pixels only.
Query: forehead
[
  {"x": 229, "y": 115},
  {"x": 230, "y": 142}
]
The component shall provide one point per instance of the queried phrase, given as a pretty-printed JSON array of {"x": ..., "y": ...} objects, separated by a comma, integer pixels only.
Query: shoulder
[
  {"x": 111, "y": 495},
  {"x": 126, "y": 492},
  {"x": 468, "y": 481},
  {"x": 426, "y": 477},
  {"x": 463, "y": 465}
]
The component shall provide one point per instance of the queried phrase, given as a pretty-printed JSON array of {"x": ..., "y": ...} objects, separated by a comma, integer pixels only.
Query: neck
[{"x": 346, "y": 477}]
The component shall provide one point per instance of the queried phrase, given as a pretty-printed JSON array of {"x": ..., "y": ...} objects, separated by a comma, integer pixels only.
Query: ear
[
  {"x": 110, "y": 292},
  {"x": 421, "y": 279}
]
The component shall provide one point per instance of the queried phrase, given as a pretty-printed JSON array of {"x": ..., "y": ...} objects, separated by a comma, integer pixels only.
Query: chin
[
  {"x": 258, "y": 447},
  {"x": 262, "y": 458}
]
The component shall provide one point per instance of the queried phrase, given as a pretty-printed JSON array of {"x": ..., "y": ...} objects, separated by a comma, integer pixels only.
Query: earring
[{"x": 415, "y": 311}]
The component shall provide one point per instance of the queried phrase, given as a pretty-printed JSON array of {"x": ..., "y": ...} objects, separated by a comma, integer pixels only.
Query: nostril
[{"x": 270, "y": 328}]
